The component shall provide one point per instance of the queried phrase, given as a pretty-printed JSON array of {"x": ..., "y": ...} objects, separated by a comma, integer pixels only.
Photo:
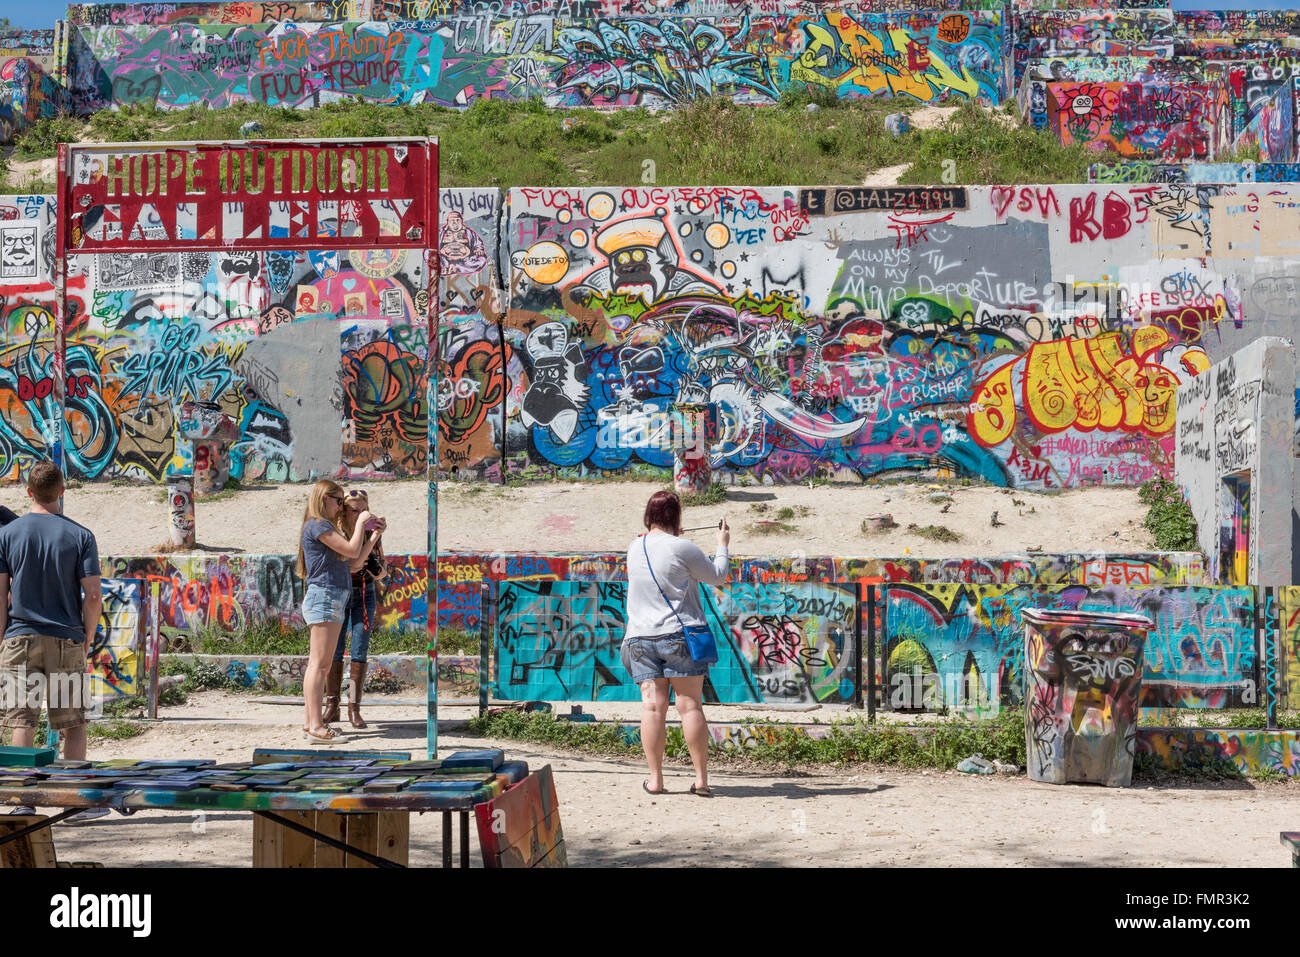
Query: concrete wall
[
  {"x": 1237, "y": 420},
  {"x": 566, "y": 59},
  {"x": 1272, "y": 127},
  {"x": 1027, "y": 336}
]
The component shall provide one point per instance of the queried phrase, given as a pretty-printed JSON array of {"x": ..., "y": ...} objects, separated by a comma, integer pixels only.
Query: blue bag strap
[{"x": 646, "y": 552}]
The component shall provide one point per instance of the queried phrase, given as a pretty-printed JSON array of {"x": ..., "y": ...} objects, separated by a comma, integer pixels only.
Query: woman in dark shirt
[
  {"x": 367, "y": 572},
  {"x": 323, "y": 557}
]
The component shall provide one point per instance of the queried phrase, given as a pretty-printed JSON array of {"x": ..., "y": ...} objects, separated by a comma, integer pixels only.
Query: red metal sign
[{"x": 322, "y": 194}]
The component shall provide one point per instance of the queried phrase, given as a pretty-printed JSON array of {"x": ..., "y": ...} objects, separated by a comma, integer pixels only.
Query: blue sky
[{"x": 41, "y": 14}]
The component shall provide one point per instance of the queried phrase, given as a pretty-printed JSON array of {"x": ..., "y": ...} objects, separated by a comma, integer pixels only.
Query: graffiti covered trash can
[{"x": 1085, "y": 676}]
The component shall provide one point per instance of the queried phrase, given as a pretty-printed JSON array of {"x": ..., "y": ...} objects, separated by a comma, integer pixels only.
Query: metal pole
[
  {"x": 484, "y": 635},
  {"x": 155, "y": 636},
  {"x": 872, "y": 641},
  {"x": 431, "y": 368},
  {"x": 857, "y": 649}
]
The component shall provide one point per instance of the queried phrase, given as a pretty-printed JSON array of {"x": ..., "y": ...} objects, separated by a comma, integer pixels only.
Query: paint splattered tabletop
[{"x": 273, "y": 780}]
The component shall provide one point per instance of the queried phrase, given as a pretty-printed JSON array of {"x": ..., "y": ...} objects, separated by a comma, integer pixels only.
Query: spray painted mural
[
  {"x": 1029, "y": 336},
  {"x": 1172, "y": 123},
  {"x": 962, "y": 646},
  {"x": 623, "y": 61},
  {"x": 273, "y": 364},
  {"x": 116, "y": 657},
  {"x": 1272, "y": 127},
  {"x": 792, "y": 643},
  {"x": 857, "y": 332},
  {"x": 29, "y": 407},
  {"x": 1144, "y": 171},
  {"x": 474, "y": 366},
  {"x": 230, "y": 593},
  {"x": 1045, "y": 34}
]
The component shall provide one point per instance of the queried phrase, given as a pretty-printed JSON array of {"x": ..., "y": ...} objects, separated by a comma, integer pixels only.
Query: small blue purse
[{"x": 699, "y": 638}]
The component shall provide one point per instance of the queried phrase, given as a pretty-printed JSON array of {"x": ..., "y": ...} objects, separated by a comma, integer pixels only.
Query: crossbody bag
[{"x": 699, "y": 638}]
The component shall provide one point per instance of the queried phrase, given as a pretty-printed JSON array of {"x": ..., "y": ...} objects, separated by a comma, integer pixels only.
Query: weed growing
[
  {"x": 114, "y": 729},
  {"x": 712, "y": 495},
  {"x": 936, "y": 533},
  {"x": 937, "y": 745},
  {"x": 1169, "y": 517}
]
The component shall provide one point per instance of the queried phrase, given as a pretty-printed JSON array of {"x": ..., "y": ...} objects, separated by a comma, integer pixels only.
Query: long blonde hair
[{"x": 316, "y": 509}]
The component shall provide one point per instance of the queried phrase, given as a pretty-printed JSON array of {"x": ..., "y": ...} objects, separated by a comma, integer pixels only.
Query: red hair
[{"x": 665, "y": 510}]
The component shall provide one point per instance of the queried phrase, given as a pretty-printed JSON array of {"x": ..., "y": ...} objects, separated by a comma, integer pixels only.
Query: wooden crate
[
  {"x": 521, "y": 827},
  {"x": 383, "y": 834},
  {"x": 34, "y": 850}
]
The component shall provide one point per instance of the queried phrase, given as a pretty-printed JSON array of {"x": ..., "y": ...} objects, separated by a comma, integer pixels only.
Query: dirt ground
[
  {"x": 606, "y": 516},
  {"x": 855, "y": 816}
]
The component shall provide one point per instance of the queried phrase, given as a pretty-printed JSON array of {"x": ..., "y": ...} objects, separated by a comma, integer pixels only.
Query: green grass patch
[
  {"x": 940, "y": 745},
  {"x": 715, "y": 493},
  {"x": 988, "y": 148},
  {"x": 771, "y": 528},
  {"x": 711, "y": 142},
  {"x": 935, "y": 533},
  {"x": 114, "y": 729},
  {"x": 1245, "y": 718}
]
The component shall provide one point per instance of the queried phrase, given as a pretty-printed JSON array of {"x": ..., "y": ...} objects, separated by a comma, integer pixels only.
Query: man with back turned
[{"x": 50, "y": 601}]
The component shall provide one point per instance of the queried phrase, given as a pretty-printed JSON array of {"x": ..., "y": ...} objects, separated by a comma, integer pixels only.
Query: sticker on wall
[
  {"x": 307, "y": 301},
  {"x": 377, "y": 263},
  {"x": 326, "y": 263},
  {"x": 462, "y": 250},
  {"x": 18, "y": 253}
]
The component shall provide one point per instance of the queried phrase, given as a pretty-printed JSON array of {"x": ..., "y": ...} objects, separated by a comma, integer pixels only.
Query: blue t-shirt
[
  {"x": 324, "y": 566},
  {"x": 45, "y": 557}
]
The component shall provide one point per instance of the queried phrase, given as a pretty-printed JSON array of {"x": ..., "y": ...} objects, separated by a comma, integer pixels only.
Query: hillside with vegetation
[{"x": 709, "y": 143}]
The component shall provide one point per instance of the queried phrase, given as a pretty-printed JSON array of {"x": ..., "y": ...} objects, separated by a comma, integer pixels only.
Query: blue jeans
[{"x": 359, "y": 623}]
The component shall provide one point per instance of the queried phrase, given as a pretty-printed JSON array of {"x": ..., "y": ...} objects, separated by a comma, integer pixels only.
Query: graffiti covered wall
[
  {"x": 1027, "y": 336},
  {"x": 1169, "y": 122},
  {"x": 1234, "y": 462},
  {"x": 314, "y": 360},
  {"x": 116, "y": 657},
  {"x": 1272, "y": 127},
  {"x": 963, "y": 646},
  {"x": 29, "y": 409},
  {"x": 789, "y": 643},
  {"x": 982, "y": 332},
  {"x": 620, "y": 61}
]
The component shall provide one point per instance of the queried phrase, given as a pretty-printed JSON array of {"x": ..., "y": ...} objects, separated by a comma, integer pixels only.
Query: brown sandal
[{"x": 330, "y": 736}]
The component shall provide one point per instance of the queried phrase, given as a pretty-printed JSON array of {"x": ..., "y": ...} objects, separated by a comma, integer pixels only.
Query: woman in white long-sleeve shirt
[{"x": 654, "y": 649}]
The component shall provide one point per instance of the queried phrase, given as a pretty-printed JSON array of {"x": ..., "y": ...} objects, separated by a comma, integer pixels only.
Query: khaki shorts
[{"x": 34, "y": 668}]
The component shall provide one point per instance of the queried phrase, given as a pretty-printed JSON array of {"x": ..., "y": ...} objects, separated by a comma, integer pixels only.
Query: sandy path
[
  {"x": 568, "y": 516},
  {"x": 857, "y": 816}
]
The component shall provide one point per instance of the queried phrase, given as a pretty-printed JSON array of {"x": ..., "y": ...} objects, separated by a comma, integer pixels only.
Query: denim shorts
[
  {"x": 663, "y": 657},
  {"x": 324, "y": 603}
]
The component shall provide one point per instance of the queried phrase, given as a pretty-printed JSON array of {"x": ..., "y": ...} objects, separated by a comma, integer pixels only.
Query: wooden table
[
  {"x": 312, "y": 809},
  {"x": 1292, "y": 840}
]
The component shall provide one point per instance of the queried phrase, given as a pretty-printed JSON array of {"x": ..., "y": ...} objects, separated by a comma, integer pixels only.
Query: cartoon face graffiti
[
  {"x": 1158, "y": 387},
  {"x": 559, "y": 389},
  {"x": 462, "y": 249},
  {"x": 18, "y": 253},
  {"x": 642, "y": 260},
  {"x": 240, "y": 263}
]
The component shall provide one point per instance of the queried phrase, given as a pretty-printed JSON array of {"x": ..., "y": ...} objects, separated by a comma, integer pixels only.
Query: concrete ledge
[{"x": 280, "y": 672}]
